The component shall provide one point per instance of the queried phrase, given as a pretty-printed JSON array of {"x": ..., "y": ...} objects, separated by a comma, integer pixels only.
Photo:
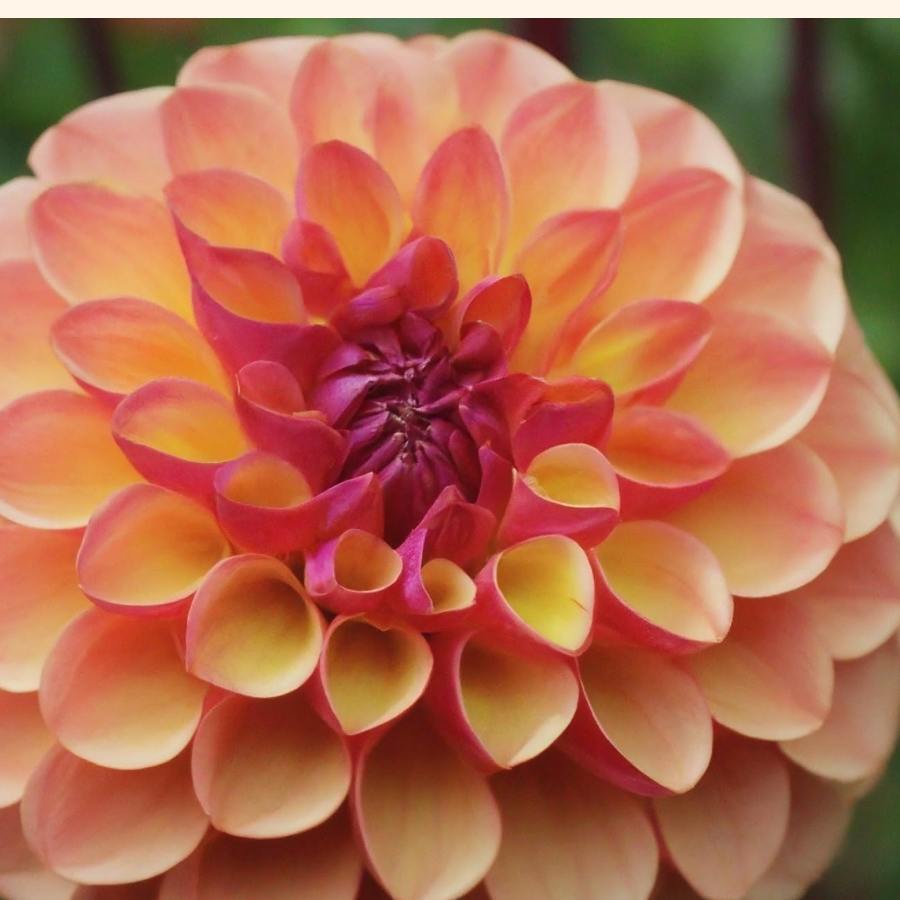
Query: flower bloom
[{"x": 427, "y": 475}]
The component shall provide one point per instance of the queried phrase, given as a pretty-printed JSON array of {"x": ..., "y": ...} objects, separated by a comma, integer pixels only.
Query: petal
[
  {"x": 58, "y": 460},
  {"x": 268, "y": 768},
  {"x": 91, "y": 243},
  {"x": 115, "y": 693},
  {"x": 24, "y": 739},
  {"x": 68, "y": 818},
  {"x": 148, "y": 549},
  {"x": 772, "y": 678},
  {"x": 36, "y": 884},
  {"x": 569, "y": 835},
  {"x": 727, "y": 831},
  {"x": 263, "y": 648},
  {"x": 229, "y": 127},
  {"x": 15, "y": 200},
  {"x": 39, "y": 595},
  {"x": 114, "y": 140},
  {"x": 774, "y": 520},
  {"x": 141, "y": 890},
  {"x": 428, "y": 823}
]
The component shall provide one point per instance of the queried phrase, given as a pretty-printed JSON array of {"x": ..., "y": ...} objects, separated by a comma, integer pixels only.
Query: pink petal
[
  {"x": 58, "y": 460},
  {"x": 503, "y": 303},
  {"x": 268, "y": 768},
  {"x": 74, "y": 827},
  {"x": 774, "y": 520},
  {"x": 24, "y": 739},
  {"x": 15, "y": 200},
  {"x": 569, "y": 835},
  {"x": 428, "y": 824},
  {"x": 114, "y": 692}
]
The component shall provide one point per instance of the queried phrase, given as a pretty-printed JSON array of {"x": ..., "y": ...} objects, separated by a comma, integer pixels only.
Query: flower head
[{"x": 427, "y": 475}]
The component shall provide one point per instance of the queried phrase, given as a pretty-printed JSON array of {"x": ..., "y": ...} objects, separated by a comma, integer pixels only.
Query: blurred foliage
[{"x": 735, "y": 70}]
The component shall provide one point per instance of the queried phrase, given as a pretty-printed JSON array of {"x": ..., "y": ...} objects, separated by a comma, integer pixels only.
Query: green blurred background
[{"x": 813, "y": 105}]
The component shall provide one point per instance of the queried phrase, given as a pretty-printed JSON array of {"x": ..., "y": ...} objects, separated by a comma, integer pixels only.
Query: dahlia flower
[{"x": 427, "y": 475}]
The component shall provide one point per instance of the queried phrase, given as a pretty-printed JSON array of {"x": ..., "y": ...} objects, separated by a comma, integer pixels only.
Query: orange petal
[
  {"x": 24, "y": 739},
  {"x": 58, "y": 460},
  {"x": 774, "y": 520},
  {"x": 428, "y": 823},
  {"x": 335, "y": 177},
  {"x": 71, "y": 821},
  {"x": 91, "y": 243},
  {"x": 461, "y": 199},
  {"x": 15, "y": 200},
  {"x": 39, "y": 595},
  {"x": 566, "y": 147},
  {"x": 28, "y": 308},
  {"x": 116, "y": 141},
  {"x": 229, "y": 127},
  {"x": 115, "y": 693},
  {"x": 772, "y": 678},
  {"x": 148, "y": 549},
  {"x": 857, "y": 737},
  {"x": 268, "y": 768},
  {"x": 263, "y": 648},
  {"x": 115, "y": 346},
  {"x": 727, "y": 831},
  {"x": 568, "y": 835}
]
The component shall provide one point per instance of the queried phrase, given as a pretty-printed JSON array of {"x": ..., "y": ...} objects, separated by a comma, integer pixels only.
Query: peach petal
[
  {"x": 681, "y": 235},
  {"x": 725, "y": 833},
  {"x": 58, "y": 460},
  {"x": 229, "y": 127},
  {"x": 36, "y": 884},
  {"x": 662, "y": 587},
  {"x": 112, "y": 347},
  {"x": 147, "y": 549},
  {"x": 67, "y": 818},
  {"x": 461, "y": 198},
  {"x": 116, "y": 141},
  {"x": 24, "y": 739},
  {"x": 372, "y": 673},
  {"x": 263, "y": 648},
  {"x": 566, "y": 147},
  {"x": 567, "y": 834},
  {"x": 231, "y": 209},
  {"x": 15, "y": 854},
  {"x": 28, "y": 308},
  {"x": 856, "y": 738},
  {"x": 752, "y": 515},
  {"x": 268, "y": 768},
  {"x": 15, "y": 200},
  {"x": 335, "y": 177},
  {"x": 428, "y": 823},
  {"x": 115, "y": 693},
  {"x": 39, "y": 595},
  {"x": 91, "y": 243},
  {"x": 642, "y": 721},
  {"x": 772, "y": 678},
  {"x": 855, "y": 602},
  {"x": 756, "y": 383}
]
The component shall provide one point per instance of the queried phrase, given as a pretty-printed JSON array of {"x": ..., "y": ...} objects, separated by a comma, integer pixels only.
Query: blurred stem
[
  {"x": 808, "y": 120},
  {"x": 551, "y": 35},
  {"x": 95, "y": 38}
]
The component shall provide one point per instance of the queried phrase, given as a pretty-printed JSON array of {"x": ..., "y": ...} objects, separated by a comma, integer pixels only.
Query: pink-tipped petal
[
  {"x": 569, "y": 835},
  {"x": 147, "y": 549},
  {"x": 24, "y": 739},
  {"x": 752, "y": 515},
  {"x": 261, "y": 649},
  {"x": 429, "y": 824},
  {"x": 268, "y": 768},
  {"x": 114, "y": 692},
  {"x": 503, "y": 303},
  {"x": 725, "y": 833},
  {"x": 77, "y": 832},
  {"x": 16, "y": 197},
  {"x": 58, "y": 460}
]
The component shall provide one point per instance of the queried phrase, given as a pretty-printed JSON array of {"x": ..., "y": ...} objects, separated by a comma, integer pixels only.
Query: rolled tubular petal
[
  {"x": 58, "y": 460},
  {"x": 370, "y": 673},
  {"x": 642, "y": 721},
  {"x": 566, "y": 834},
  {"x": 114, "y": 692},
  {"x": 263, "y": 648},
  {"x": 724, "y": 834},
  {"x": 147, "y": 549},
  {"x": 429, "y": 824},
  {"x": 24, "y": 739},
  {"x": 752, "y": 515},
  {"x": 268, "y": 768}
]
